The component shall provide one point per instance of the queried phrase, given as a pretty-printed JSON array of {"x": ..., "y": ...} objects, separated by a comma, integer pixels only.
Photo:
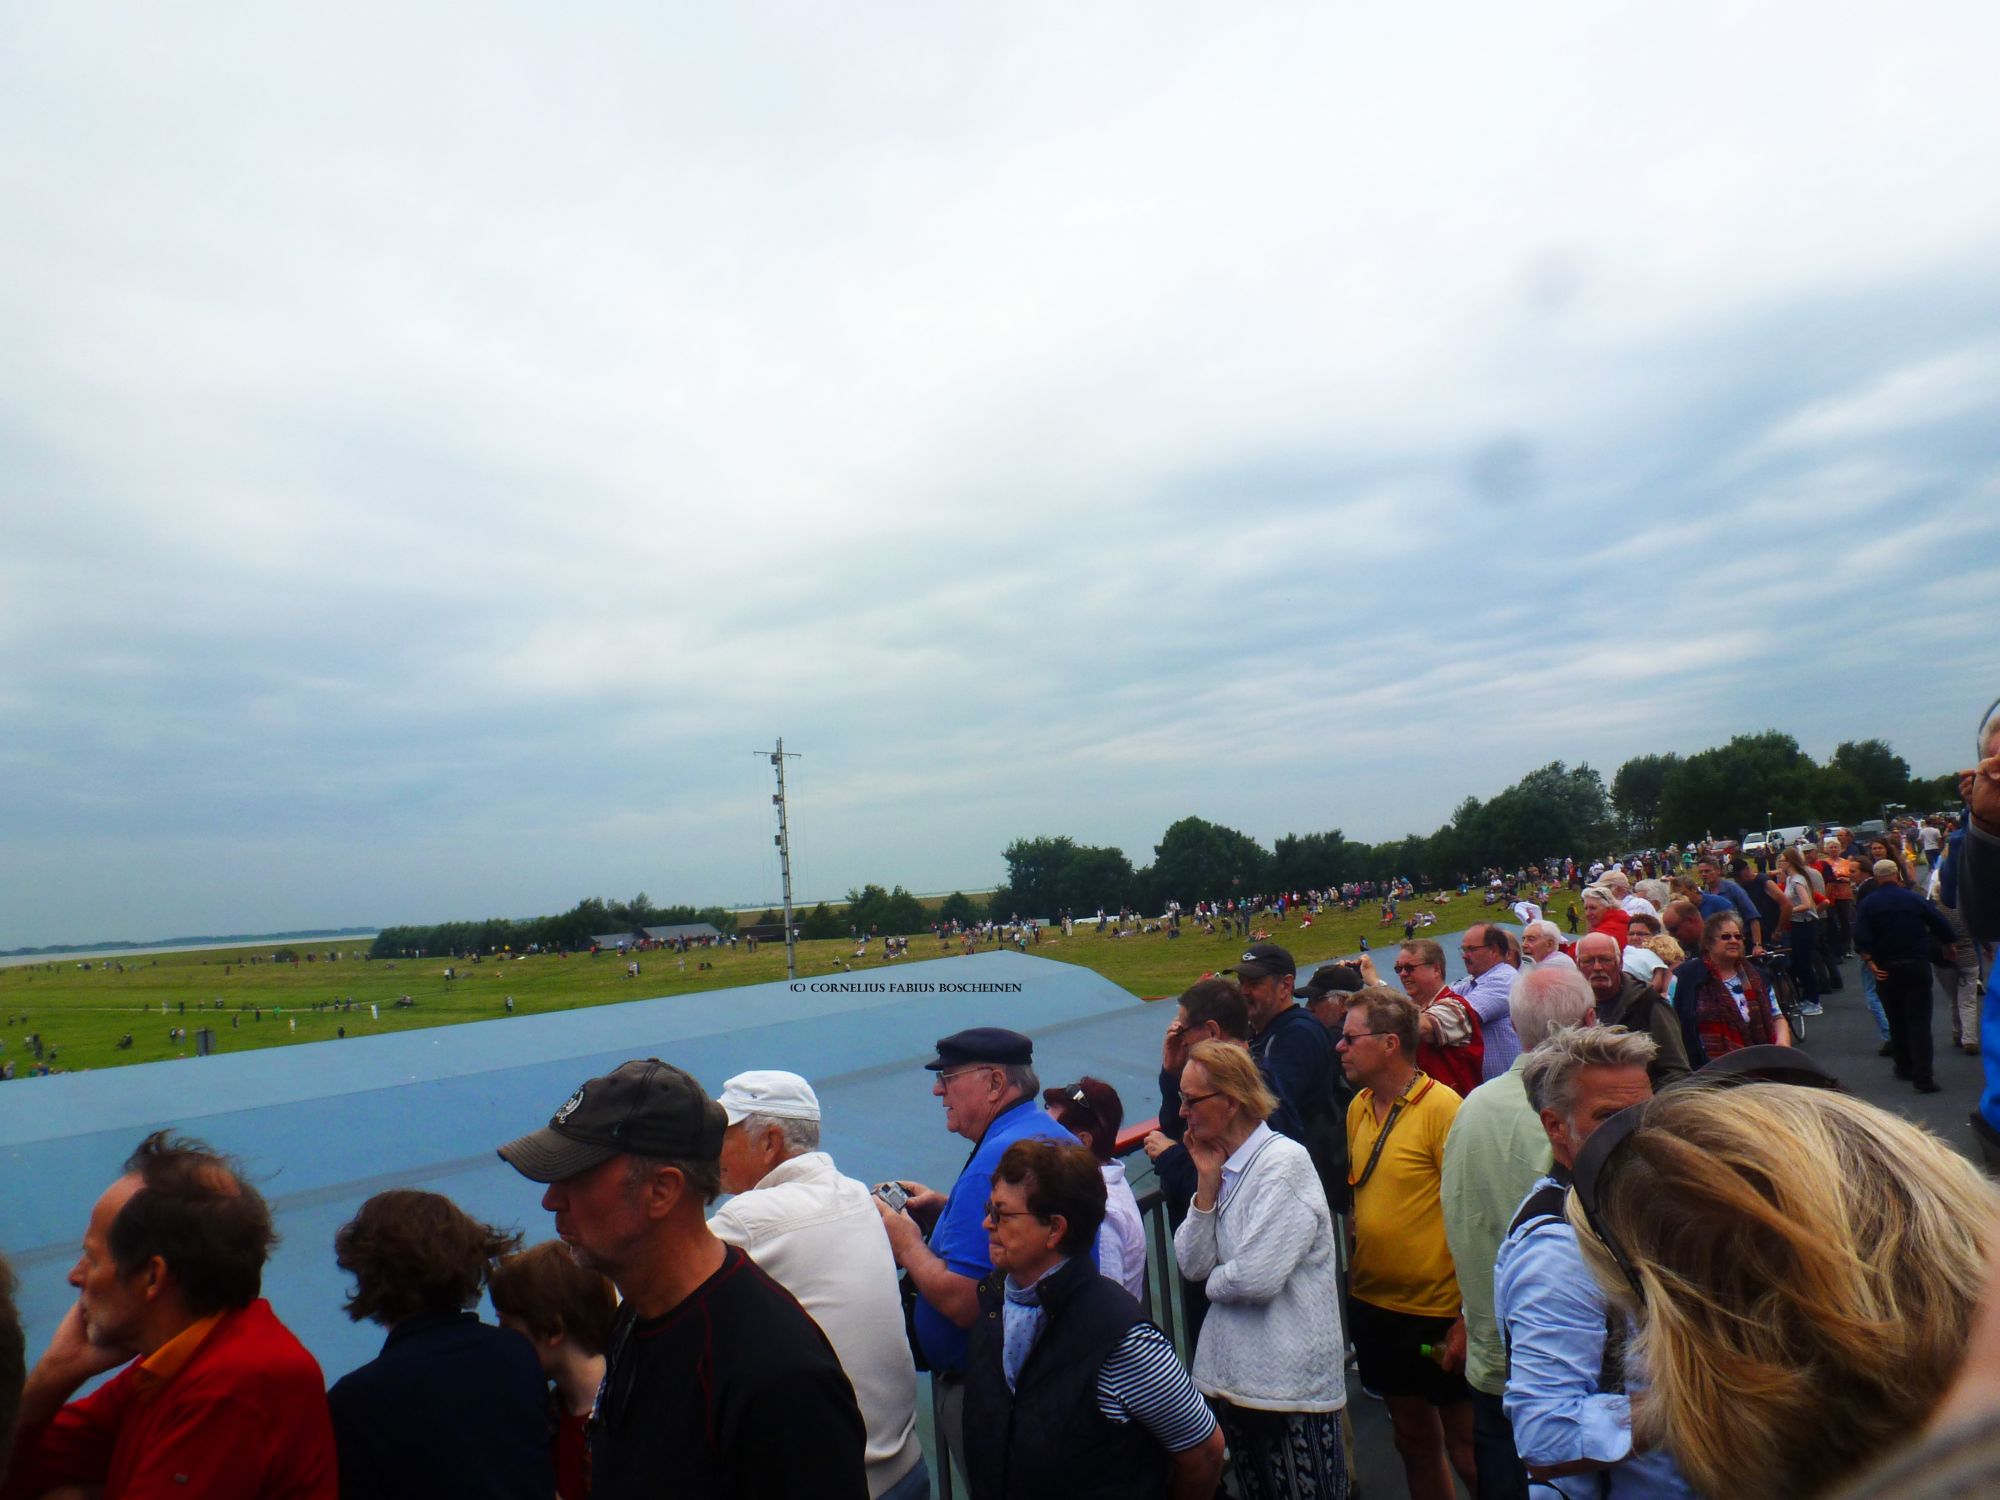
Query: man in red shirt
[
  {"x": 1450, "y": 1045},
  {"x": 218, "y": 1399}
]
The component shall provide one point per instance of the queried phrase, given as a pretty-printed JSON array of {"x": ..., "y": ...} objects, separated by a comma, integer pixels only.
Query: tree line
[
  {"x": 591, "y": 917},
  {"x": 1754, "y": 781}
]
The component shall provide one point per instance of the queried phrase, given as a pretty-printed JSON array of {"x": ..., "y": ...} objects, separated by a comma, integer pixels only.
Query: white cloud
[{"x": 1062, "y": 417}]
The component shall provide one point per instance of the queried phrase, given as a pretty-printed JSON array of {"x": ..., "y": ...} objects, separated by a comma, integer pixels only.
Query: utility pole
[{"x": 784, "y": 842}]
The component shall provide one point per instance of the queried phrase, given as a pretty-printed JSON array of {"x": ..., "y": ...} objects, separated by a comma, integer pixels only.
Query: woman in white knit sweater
[{"x": 1271, "y": 1356}]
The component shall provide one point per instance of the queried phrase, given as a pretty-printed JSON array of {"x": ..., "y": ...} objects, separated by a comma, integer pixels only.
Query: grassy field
[{"x": 82, "y": 1012}]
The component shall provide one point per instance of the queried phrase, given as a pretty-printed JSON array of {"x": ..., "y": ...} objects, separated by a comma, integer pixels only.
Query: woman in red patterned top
[{"x": 1723, "y": 1000}]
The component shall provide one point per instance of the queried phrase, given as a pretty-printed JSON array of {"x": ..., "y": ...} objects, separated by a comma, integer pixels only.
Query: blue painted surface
[{"x": 323, "y": 1125}]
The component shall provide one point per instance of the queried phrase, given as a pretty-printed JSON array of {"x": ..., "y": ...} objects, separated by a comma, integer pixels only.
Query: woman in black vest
[{"x": 1068, "y": 1389}]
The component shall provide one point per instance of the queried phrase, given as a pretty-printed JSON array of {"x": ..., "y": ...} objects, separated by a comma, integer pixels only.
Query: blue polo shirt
[
  {"x": 1729, "y": 896},
  {"x": 959, "y": 1239}
]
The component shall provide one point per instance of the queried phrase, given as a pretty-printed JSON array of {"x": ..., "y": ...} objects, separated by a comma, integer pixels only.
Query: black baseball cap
[
  {"x": 982, "y": 1044},
  {"x": 1331, "y": 979},
  {"x": 1260, "y": 959},
  {"x": 645, "y": 1108}
]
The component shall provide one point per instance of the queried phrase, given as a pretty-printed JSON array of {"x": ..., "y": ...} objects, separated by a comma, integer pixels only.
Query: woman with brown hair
[
  {"x": 451, "y": 1406},
  {"x": 1802, "y": 903},
  {"x": 565, "y": 1313},
  {"x": 1794, "y": 1323},
  {"x": 1723, "y": 999}
]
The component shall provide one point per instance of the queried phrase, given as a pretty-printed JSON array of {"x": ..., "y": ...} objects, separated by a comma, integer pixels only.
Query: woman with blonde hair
[
  {"x": 1803, "y": 1270},
  {"x": 1258, "y": 1235}
]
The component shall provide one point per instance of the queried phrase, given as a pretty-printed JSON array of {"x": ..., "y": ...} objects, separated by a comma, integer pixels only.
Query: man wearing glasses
[
  {"x": 1489, "y": 980},
  {"x": 986, "y": 1082},
  {"x": 1403, "y": 1308}
]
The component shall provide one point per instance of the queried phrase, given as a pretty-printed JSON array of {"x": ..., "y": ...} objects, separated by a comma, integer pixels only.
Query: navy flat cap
[{"x": 982, "y": 1044}]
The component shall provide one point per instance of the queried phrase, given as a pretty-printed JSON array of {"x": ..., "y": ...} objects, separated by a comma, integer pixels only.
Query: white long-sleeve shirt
[{"x": 1272, "y": 1337}]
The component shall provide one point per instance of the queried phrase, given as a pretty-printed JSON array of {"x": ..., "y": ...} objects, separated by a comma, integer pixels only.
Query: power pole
[{"x": 779, "y": 756}]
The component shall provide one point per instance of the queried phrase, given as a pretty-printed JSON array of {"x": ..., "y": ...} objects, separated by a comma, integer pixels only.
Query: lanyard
[{"x": 1395, "y": 1113}]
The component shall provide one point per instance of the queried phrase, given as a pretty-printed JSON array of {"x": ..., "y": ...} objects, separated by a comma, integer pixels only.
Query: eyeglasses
[
  {"x": 1188, "y": 1099},
  {"x": 947, "y": 1076},
  {"x": 1729, "y": 937},
  {"x": 1348, "y": 1038},
  {"x": 1000, "y": 1215},
  {"x": 1408, "y": 968}
]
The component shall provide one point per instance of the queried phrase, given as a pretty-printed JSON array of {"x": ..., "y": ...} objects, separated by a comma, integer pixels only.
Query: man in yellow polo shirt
[{"x": 1403, "y": 1304}]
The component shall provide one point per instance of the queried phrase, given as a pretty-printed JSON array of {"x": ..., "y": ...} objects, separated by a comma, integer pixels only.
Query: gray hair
[
  {"x": 1602, "y": 893},
  {"x": 1545, "y": 927},
  {"x": 1022, "y": 1079},
  {"x": 703, "y": 1176},
  {"x": 1655, "y": 891},
  {"x": 1544, "y": 999},
  {"x": 800, "y": 1136},
  {"x": 1550, "y": 1073}
]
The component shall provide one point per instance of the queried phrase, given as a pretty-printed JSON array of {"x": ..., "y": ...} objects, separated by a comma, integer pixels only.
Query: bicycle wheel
[{"x": 1786, "y": 994}]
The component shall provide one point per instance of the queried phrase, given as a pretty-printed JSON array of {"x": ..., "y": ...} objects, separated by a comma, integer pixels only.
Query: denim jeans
[{"x": 1874, "y": 1001}]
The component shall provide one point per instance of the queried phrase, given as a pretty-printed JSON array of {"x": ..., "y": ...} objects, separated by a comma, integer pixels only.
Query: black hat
[
  {"x": 645, "y": 1108},
  {"x": 1329, "y": 979},
  {"x": 1260, "y": 959},
  {"x": 982, "y": 1044}
]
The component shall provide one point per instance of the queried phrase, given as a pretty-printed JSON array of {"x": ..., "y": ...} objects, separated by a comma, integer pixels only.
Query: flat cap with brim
[
  {"x": 1330, "y": 979},
  {"x": 982, "y": 1044},
  {"x": 1261, "y": 959},
  {"x": 642, "y": 1108}
]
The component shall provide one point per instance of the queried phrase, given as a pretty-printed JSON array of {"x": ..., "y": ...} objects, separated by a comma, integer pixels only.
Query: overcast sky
[{"x": 436, "y": 447}]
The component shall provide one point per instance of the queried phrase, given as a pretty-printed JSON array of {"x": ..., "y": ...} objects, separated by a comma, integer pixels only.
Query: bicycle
[{"x": 1777, "y": 969}]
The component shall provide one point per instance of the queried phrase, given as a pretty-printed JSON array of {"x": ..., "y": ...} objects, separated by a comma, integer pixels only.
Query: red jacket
[
  {"x": 245, "y": 1419},
  {"x": 1618, "y": 922}
]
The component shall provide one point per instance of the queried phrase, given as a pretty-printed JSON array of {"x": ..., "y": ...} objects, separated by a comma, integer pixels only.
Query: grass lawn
[{"x": 82, "y": 1012}]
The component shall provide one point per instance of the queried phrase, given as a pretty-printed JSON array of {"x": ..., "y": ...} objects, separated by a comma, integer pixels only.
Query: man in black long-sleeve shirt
[{"x": 1894, "y": 928}]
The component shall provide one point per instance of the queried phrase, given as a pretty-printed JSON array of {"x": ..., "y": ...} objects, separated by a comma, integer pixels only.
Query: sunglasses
[{"x": 1762, "y": 1064}]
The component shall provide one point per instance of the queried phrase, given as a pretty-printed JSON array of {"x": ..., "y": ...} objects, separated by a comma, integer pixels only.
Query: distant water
[{"x": 351, "y": 939}]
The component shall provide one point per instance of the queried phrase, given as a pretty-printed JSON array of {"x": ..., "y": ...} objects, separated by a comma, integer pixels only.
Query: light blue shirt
[
  {"x": 1552, "y": 1312},
  {"x": 1488, "y": 996}
]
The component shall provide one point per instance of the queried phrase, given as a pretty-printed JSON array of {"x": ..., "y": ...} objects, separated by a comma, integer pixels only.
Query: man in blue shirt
[
  {"x": 1726, "y": 895},
  {"x": 1566, "y": 1382},
  {"x": 986, "y": 1081}
]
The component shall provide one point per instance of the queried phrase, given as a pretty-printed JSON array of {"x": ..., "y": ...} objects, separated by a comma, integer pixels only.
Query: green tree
[
  {"x": 1880, "y": 775},
  {"x": 1317, "y": 860},
  {"x": 1196, "y": 860},
  {"x": 958, "y": 907},
  {"x": 1044, "y": 875},
  {"x": 823, "y": 922},
  {"x": 1738, "y": 786},
  {"x": 1635, "y": 794}
]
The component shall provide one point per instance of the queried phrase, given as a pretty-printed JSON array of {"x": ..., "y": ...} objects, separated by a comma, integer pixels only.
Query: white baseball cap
[{"x": 782, "y": 1096}]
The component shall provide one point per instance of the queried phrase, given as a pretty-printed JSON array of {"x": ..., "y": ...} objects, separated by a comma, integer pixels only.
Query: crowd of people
[{"x": 1584, "y": 1222}]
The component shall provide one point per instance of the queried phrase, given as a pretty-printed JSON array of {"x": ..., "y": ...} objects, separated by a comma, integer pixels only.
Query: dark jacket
[
  {"x": 1046, "y": 1437},
  {"x": 451, "y": 1406},
  {"x": 1638, "y": 1008},
  {"x": 1978, "y": 878},
  {"x": 1295, "y": 1055},
  {"x": 1894, "y": 925}
]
